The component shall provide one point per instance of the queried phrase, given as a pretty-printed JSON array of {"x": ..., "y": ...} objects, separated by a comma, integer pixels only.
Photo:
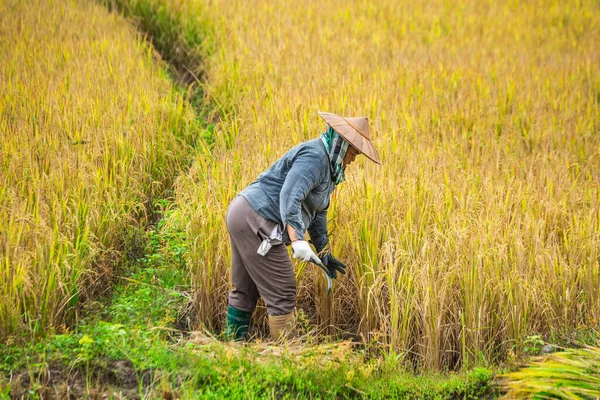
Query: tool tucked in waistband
[{"x": 274, "y": 238}]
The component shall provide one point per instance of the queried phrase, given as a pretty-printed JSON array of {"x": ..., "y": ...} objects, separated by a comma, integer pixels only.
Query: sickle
[{"x": 324, "y": 269}]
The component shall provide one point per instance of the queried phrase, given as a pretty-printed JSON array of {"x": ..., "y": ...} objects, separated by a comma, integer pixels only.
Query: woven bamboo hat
[{"x": 355, "y": 130}]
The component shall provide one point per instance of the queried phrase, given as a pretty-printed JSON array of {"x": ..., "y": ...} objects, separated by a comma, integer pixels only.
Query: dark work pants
[{"x": 271, "y": 276}]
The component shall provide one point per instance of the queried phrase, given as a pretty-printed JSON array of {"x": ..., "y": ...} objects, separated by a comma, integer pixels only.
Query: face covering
[{"x": 336, "y": 147}]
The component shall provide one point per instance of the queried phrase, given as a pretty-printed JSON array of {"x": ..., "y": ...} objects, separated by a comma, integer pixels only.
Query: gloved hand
[
  {"x": 333, "y": 265},
  {"x": 303, "y": 251}
]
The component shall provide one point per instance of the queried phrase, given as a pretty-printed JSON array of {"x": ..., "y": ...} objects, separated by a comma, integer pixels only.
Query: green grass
[{"x": 215, "y": 370}]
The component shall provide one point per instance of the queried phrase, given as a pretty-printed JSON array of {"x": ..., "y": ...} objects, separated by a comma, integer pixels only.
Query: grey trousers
[{"x": 271, "y": 276}]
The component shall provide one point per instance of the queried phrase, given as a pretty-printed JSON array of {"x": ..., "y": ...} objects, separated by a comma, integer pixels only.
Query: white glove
[{"x": 303, "y": 251}]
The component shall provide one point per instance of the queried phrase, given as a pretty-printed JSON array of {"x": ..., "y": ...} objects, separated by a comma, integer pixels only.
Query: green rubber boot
[{"x": 238, "y": 322}]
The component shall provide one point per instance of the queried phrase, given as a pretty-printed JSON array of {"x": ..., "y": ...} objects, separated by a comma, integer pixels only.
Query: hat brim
[{"x": 359, "y": 141}]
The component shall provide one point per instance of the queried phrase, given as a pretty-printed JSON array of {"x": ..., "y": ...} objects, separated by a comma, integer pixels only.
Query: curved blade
[{"x": 324, "y": 269}]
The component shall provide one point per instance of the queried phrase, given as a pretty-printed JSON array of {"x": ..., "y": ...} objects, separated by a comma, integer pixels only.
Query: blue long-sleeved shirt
[{"x": 296, "y": 191}]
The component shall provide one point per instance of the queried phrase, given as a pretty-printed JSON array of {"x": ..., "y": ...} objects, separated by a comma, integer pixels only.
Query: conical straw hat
[{"x": 355, "y": 130}]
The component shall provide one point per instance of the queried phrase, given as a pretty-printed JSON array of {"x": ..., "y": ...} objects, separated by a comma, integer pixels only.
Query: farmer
[{"x": 275, "y": 210}]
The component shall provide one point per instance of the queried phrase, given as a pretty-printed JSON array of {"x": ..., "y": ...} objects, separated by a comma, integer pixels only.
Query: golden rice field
[
  {"x": 481, "y": 227},
  {"x": 91, "y": 130}
]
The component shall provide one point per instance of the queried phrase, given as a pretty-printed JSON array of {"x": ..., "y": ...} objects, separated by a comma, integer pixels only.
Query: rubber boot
[
  {"x": 238, "y": 322},
  {"x": 282, "y": 326}
]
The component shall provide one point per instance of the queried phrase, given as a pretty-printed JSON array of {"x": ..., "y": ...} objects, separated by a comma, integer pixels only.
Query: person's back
[{"x": 302, "y": 175}]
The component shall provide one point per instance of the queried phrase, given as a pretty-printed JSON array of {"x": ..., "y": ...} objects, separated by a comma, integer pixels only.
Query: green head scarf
[{"x": 336, "y": 147}]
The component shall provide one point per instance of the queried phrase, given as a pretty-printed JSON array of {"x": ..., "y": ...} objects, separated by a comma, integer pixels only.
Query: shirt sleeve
[
  {"x": 318, "y": 231},
  {"x": 304, "y": 175}
]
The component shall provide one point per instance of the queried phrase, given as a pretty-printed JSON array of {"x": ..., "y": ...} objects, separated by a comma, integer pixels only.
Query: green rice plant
[
  {"x": 569, "y": 374},
  {"x": 91, "y": 131}
]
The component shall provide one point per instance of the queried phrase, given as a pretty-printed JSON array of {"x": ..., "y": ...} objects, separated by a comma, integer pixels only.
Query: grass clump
[
  {"x": 91, "y": 131},
  {"x": 152, "y": 295}
]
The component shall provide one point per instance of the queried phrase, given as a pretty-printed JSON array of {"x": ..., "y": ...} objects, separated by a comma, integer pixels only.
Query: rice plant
[
  {"x": 481, "y": 226},
  {"x": 91, "y": 131},
  {"x": 569, "y": 374}
]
